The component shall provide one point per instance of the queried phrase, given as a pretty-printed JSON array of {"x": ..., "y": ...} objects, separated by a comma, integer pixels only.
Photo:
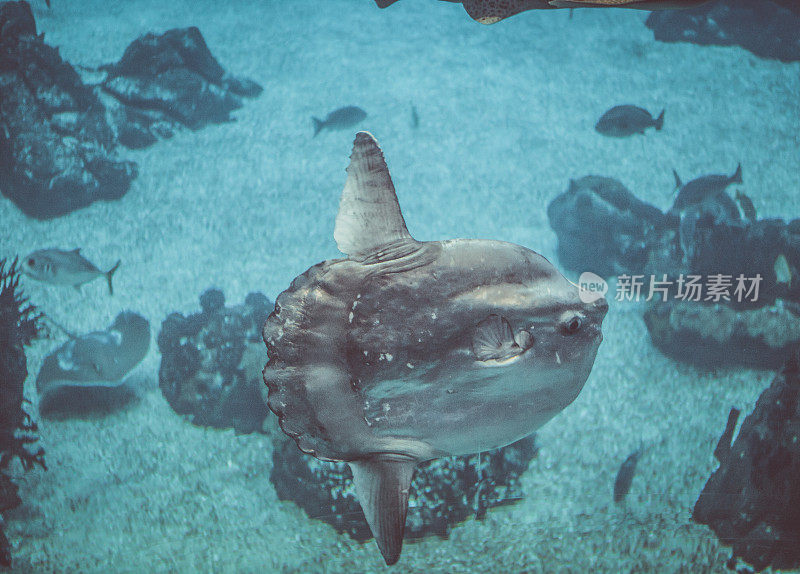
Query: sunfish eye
[{"x": 572, "y": 326}]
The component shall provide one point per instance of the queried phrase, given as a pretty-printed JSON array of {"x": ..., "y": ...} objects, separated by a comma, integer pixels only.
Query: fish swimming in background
[
  {"x": 702, "y": 188},
  {"x": 627, "y": 120},
  {"x": 414, "y": 117},
  {"x": 100, "y": 359},
  {"x": 748, "y": 209},
  {"x": 406, "y": 350},
  {"x": 340, "y": 119},
  {"x": 492, "y": 11},
  {"x": 622, "y": 484},
  {"x": 59, "y": 267}
]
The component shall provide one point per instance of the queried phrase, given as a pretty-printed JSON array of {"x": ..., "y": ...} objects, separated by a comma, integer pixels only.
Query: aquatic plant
[{"x": 19, "y": 325}]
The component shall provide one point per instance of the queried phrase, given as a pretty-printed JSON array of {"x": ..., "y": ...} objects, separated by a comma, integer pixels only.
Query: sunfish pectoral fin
[
  {"x": 493, "y": 339},
  {"x": 369, "y": 215},
  {"x": 382, "y": 486}
]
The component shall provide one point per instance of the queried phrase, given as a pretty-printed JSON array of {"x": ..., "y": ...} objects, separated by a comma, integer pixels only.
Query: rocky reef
[
  {"x": 60, "y": 136},
  {"x": 752, "y": 501},
  {"x": 164, "y": 82},
  {"x": 444, "y": 491},
  {"x": 57, "y": 151},
  {"x": 719, "y": 288},
  {"x": 767, "y": 29},
  {"x": 18, "y": 327},
  {"x": 211, "y": 362}
]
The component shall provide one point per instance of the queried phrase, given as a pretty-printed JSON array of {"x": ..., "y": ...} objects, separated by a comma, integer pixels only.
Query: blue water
[{"x": 506, "y": 118}]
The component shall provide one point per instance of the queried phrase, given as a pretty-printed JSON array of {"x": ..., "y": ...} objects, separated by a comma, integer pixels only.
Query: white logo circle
[{"x": 591, "y": 287}]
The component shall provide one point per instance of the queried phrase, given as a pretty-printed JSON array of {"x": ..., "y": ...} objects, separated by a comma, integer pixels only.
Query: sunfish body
[
  {"x": 407, "y": 351},
  {"x": 627, "y": 120},
  {"x": 59, "y": 267},
  {"x": 339, "y": 119},
  {"x": 97, "y": 359},
  {"x": 701, "y": 189},
  {"x": 492, "y": 11}
]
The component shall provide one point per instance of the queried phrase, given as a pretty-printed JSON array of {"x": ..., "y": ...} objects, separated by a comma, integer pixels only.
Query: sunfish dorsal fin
[
  {"x": 369, "y": 216},
  {"x": 382, "y": 489}
]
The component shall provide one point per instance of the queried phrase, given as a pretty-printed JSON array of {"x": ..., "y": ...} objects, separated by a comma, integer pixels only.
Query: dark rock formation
[
  {"x": 171, "y": 80},
  {"x": 752, "y": 501},
  {"x": 18, "y": 327},
  {"x": 444, "y": 491},
  {"x": 56, "y": 149},
  {"x": 602, "y": 227},
  {"x": 709, "y": 335},
  {"x": 212, "y": 361},
  {"x": 766, "y": 29},
  {"x": 58, "y": 135}
]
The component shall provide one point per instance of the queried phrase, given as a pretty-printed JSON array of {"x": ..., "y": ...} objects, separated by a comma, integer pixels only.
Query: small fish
[
  {"x": 622, "y": 484},
  {"x": 59, "y": 267},
  {"x": 339, "y": 119},
  {"x": 100, "y": 359},
  {"x": 414, "y": 117},
  {"x": 748, "y": 209},
  {"x": 783, "y": 273},
  {"x": 701, "y": 188},
  {"x": 627, "y": 120}
]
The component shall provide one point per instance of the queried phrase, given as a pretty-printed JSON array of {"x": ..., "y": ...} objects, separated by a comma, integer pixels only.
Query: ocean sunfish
[
  {"x": 97, "y": 359},
  {"x": 405, "y": 351},
  {"x": 60, "y": 267},
  {"x": 492, "y": 11}
]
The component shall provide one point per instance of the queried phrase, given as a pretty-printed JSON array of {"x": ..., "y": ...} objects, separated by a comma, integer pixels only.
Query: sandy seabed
[{"x": 506, "y": 117}]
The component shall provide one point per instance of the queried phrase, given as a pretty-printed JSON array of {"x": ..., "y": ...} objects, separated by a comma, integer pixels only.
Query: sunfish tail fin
[
  {"x": 737, "y": 175},
  {"x": 659, "y": 122},
  {"x": 318, "y": 125},
  {"x": 382, "y": 488},
  {"x": 109, "y": 274}
]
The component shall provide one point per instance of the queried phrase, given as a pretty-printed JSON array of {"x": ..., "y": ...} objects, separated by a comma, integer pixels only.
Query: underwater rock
[
  {"x": 56, "y": 149},
  {"x": 602, "y": 227},
  {"x": 765, "y": 28},
  {"x": 712, "y": 335},
  {"x": 211, "y": 362},
  {"x": 752, "y": 501},
  {"x": 444, "y": 492},
  {"x": 167, "y": 81},
  {"x": 19, "y": 325},
  {"x": 92, "y": 368}
]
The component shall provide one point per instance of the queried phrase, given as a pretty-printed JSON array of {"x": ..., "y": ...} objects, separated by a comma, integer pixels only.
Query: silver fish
[
  {"x": 702, "y": 188},
  {"x": 406, "y": 351},
  {"x": 59, "y": 267},
  {"x": 342, "y": 118}
]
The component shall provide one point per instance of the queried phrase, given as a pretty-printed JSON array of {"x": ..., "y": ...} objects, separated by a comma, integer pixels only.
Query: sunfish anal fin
[
  {"x": 493, "y": 339},
  {"x": 382, "y": 488},
  {"x": 369, "y": 215}
]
